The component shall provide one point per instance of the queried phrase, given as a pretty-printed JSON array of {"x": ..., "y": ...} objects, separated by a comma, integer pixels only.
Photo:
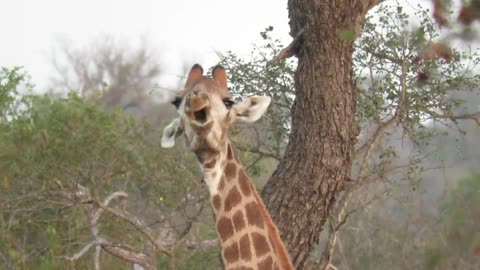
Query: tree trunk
[{"x": 318, "y": 158}]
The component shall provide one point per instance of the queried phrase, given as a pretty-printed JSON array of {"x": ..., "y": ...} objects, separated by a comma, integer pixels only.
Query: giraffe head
[{"x": 206, "y": 111}]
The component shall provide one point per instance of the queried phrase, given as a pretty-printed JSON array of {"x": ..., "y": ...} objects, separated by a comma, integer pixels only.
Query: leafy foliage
[
  {"x": 388, "y": 60},
  {"x": 12, "y": 82},
  {"x": 457, "y": 240},
  {"x": 53, "y": 146},
  {"x": 405, "y": 88},
  {"x": 257, "y": 76}
]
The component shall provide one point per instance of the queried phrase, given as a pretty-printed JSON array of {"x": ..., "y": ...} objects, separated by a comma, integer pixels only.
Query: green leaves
[
  {"x": 258, "y": 76},
  {"x": 266, "y": 33},
  {"x": 398, "y": 63},
  {"x": 12, "y": 81},
  {"x": 49, "y": 145}
]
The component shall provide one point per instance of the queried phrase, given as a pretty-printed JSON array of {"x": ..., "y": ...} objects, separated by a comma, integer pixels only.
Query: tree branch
[
  {"x": 144, "y": 259},
  {"x": 325, "y": 261},
  {"x": 106, "y": 202},
  {"x": 291, "y": 49},
  {"x": 138, "y": 224},
  {"x": 139, "y": 258},
  {"x": 210, "y": 243},
  {"x": 80, "y": 253},
  {"x": 475, "y": 117}
]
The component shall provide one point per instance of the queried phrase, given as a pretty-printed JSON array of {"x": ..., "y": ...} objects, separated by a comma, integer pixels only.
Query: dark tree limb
[{"x": 290, "y": 50}]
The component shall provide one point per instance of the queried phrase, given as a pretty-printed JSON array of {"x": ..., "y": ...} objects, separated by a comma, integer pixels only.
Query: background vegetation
[{"x": 84, "y": 183}]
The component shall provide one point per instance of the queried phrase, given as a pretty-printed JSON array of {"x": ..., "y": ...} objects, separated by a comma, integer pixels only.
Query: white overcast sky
[{"x": 183, "y": 30}]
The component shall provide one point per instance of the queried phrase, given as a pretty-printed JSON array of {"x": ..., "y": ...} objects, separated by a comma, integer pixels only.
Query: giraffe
[{"x": 248, "y": 237}]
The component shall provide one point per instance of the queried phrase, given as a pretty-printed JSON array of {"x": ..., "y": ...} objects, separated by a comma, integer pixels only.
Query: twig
[
  {"x": 325, "y": 262},
  {"x": 475, "y": 117},
  {"x": 107, "y": 200},
  {"x": 80, "y": 253},
  {"x": 210, "y": 243}
]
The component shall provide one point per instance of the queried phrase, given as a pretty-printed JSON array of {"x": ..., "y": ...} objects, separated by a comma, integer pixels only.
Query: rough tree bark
[{"x": 318, "y": 158}]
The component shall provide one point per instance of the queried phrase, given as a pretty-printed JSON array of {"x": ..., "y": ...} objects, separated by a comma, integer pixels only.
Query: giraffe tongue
[{"x": 201, "y": 115}]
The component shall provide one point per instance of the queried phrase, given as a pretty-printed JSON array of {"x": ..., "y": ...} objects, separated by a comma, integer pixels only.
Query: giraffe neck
[{"x": 247, "y": 234}]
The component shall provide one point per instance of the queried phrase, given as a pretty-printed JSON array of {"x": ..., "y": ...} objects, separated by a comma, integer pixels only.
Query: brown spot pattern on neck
[{"x": 248, "y": 237}]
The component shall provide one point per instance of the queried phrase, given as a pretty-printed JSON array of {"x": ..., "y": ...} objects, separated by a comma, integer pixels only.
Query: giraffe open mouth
[
  {"x": 201, "y": 115},
  {"x": 197, "y": 106}
]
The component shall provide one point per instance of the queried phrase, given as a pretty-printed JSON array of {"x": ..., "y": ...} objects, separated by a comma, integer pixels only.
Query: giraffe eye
[
  {"x": 228, "y": 103},
  {"x": 177, "y": 101}
]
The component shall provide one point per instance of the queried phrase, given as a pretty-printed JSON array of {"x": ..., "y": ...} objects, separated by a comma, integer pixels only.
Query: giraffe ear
[
  {"x": 250, "y": 109},
  {"x": 220, "y": 76},
  {"x": 170, "y": 133},
  {"x": 196, "y": 72}
]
